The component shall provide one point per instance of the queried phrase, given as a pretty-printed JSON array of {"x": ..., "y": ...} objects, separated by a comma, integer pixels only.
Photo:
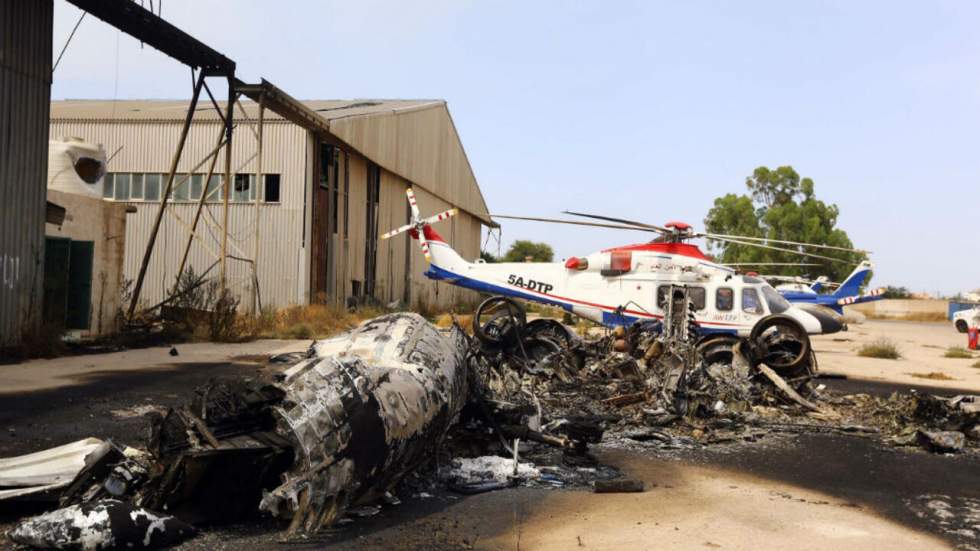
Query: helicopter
[
  {"x": 623, "y": 285},
  {"x": 799, "y": 290}
]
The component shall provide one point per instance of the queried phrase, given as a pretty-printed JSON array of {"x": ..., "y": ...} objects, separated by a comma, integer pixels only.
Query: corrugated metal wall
[
  {"x": 25, "y": 92},
  {"x": 149, "y": 147}
]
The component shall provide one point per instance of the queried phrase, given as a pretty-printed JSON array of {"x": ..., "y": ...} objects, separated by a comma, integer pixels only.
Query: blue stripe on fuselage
[{"x": 608, "y": 318}]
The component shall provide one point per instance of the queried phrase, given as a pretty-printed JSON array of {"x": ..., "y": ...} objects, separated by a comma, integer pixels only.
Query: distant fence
[{"x": 901, "y": 308}]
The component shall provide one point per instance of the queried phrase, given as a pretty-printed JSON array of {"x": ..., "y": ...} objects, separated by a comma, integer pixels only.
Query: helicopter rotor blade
[
  {"x": 780, "y": 241},
  {"x": 393, "y": 233},
  {"x": 425, "y": 246},
  {"x": 621, "y": 221},
  {"x": 770, "y": 264},
  {"x": 791, "y": 251},
  {"x": 412, "y": 203},
  {"x": 572, "y": 222},
  {"x": 441, "y": 216}
]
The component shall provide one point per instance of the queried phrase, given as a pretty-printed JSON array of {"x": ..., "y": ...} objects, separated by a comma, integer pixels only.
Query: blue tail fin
[
  {"x": 852, "y": 285},
  {"x": 817, "y": 285}
]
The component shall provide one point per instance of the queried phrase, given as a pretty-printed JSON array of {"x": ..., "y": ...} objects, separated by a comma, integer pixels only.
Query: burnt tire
[
  {"x": 499, "y": 321},
  {"x": 780, "y": 342},
  {"x": 552, "y": 329},
  {"x": 962, "y": 326},
  {"x": 717, "y": 348}
]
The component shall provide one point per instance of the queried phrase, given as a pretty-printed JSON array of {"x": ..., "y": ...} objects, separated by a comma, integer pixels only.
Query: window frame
[
  {"x": 759, "y": 309},
  {"x": 731, "y": 301}
]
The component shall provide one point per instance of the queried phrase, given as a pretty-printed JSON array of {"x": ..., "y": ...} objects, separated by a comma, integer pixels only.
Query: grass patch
[
  {"x": 307, "y": 322},
  {"x": 880, "y": 348},
  {"x": 911, "y": 316},
  {"x": 933, "y": 375},
  {"x": 958, "y": 352},
  {"x": 465, "y": 321},
  {"x": 976, "y": 364}
]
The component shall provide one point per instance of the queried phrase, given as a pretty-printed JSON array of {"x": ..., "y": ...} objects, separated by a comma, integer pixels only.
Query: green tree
[
  {"x": 781, "y": 205},
  {"x": 522, "y": 249},
  {"x": 488, "y": 257}
]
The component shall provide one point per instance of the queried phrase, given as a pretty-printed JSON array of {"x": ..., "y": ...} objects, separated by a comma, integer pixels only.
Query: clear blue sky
[{"x": 645, "y": 110}]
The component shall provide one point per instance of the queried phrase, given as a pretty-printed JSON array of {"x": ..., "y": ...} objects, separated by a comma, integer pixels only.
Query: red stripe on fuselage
[{"x": 683, "y": 249}]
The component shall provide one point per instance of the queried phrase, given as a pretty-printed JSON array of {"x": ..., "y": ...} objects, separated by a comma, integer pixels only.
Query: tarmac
[{"x": 805, "y": 491}]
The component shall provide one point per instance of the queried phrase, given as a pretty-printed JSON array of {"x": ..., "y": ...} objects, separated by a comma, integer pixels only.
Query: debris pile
[{"x": 339, "y": 428}]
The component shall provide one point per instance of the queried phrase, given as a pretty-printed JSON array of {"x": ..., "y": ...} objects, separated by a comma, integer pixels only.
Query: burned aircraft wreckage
[{"x": 350, "y": 419}]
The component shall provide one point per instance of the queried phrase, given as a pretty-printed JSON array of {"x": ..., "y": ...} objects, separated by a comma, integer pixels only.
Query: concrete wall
[
  {"x": 103, "y": 223},
  {"x": 902, "y": 308}
]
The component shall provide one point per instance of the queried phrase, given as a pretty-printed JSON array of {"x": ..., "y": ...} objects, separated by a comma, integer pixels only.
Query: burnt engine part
[{"x": 366, "y": 411}]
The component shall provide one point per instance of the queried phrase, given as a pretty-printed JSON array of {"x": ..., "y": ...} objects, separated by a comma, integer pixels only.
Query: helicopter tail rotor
[{"x": 418, "y": 224}]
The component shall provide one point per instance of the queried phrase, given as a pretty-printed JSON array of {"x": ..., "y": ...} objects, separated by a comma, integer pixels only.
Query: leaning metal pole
[
  {"x": 166, "y": 194},
  {"x": 228, "y": 183},
  {"x": 259, "y": 193}
]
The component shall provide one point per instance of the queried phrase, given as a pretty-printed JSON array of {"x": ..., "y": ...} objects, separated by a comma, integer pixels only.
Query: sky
[{"x": 641, "y": 110}]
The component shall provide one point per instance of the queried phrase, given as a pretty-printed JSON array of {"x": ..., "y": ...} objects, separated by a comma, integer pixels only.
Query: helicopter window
[
  {"x": 724, "y": 299},
  {"x": 750, "y": 301},
  {"x": 777, "y": 304},
  {"x": 696, "y": 294},
  {"x": 698, "y": 297}
]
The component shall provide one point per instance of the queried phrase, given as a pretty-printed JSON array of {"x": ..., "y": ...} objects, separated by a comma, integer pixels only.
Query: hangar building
[{"x": 334, "y": 179}]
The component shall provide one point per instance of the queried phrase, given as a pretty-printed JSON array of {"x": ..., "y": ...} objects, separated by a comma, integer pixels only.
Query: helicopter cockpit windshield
[{"x": 777, "y": 304}]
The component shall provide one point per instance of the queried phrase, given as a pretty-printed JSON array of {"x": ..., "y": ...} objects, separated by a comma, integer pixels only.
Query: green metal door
[
  {"x": 57, "y": 253},
  {"x": 80, "y": 284}
]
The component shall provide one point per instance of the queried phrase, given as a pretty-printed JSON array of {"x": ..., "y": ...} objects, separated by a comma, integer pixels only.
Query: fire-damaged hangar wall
[
  {"x": 324, "y": 201},
  {"x": 25, "y": 91}
]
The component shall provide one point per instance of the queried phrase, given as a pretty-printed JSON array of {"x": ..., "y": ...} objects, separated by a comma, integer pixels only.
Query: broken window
[
  {"x": 271, "y": 187},
  {"x": 243, "y": 191},
  {"x": 750, "y": 301},
  {"x": 724, "y": 299}
]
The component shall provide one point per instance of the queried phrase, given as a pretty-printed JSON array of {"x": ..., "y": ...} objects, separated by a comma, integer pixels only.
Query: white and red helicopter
[{"x": 622, "y": 285}]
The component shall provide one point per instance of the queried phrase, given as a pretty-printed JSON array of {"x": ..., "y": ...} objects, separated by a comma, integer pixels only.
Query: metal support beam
[
  {"x": 228, "y": 181},
  {"x": 144, "y": 25},
  {"x": 259, "y": 192},
  {"x": 166, "y": 194}
]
